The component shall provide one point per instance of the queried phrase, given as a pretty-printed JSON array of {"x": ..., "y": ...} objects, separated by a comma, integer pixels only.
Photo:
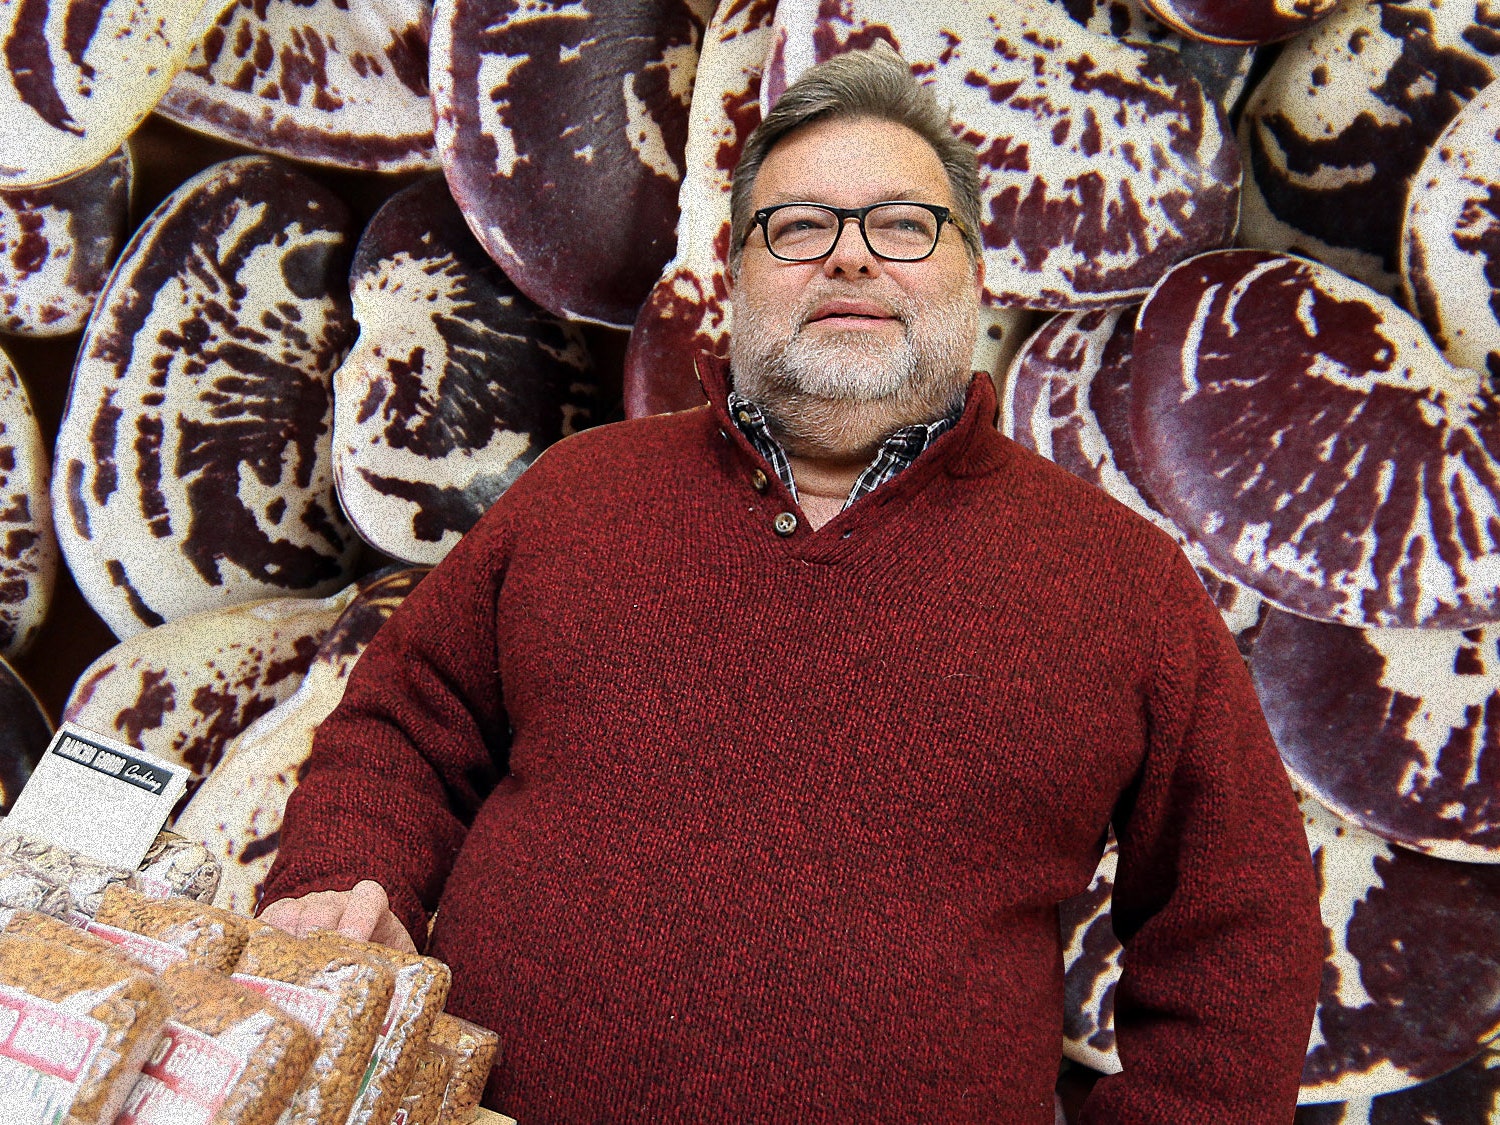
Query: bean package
[
  {"x": 420, "y": 989},
  {"x": 38, "y": 875},
  {"x": 169, "y": 1011},
  {"x": 162, "y": 933},
  {"x": 337, "y": 991},
  {"x": 225, "y": 1051},
  {"x": 423, "y": 1100},
  {"x": 472, "y": 1052},
  {"x": 78, "y": 1028}
]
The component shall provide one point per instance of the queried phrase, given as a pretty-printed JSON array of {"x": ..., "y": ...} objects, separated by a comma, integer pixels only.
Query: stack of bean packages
[{"x": 170, "y": 1011}]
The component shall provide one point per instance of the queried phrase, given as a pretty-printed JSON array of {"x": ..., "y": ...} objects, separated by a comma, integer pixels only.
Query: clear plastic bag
[
  {"x": 227, "y": 1057},
  {"x": 474, "y": 1053},
  {"x": 335, "y": 989},
  {"x": 422, "y": 1104},
  {"x": 75, "y": 1029},
  {"x": 22, "y": 887},
  {"x": 421, "y": 990},
  {"x": 162, "y": 932},
  {"x": 34, "y": 874},
  {"x": 33, "y": 863},
  {"x": 32, "y": 924},
  {"x": 175, "y": 865}
]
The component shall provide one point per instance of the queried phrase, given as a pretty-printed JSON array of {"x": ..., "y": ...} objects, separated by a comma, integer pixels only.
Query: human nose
[{"x": 850, "y": 254}]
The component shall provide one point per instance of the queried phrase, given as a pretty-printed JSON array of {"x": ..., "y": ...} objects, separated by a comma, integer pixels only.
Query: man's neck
[
  {"x": 838, "y": 433},
  {"x": 831, "y": 443},
  {"x": 823, "y": 484}
]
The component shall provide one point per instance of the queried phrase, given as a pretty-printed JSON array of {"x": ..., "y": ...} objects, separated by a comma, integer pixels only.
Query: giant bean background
[{"x": 1242, "y": 272}]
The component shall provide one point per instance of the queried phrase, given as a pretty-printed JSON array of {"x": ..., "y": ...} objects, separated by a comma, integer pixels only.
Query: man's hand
[{"x": 363, "y": 913}]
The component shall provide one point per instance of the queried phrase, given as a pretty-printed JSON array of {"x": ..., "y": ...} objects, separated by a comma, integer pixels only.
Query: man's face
[{"x": 852, "y": 327}]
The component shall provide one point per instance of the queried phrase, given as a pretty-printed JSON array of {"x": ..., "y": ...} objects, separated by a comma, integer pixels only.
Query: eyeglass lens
[{"x": 898, "y": 231}]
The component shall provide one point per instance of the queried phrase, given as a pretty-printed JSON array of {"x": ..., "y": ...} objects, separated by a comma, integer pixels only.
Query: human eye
[
  {"x": 902, "y": 220},
  {"x": 796, "y": 228}
]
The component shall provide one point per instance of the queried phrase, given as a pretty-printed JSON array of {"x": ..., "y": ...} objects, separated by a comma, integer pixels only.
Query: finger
[
  {"x": 390, "y": 932},
  {"x": 364, "y": 906},
  {"x": 320, "y": 910},
  {"x": 283, "y": 914}
]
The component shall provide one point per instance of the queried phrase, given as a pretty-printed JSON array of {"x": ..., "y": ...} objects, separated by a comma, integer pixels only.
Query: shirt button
[
  {"x": 785, "y": 524},
  {"x": 744, "y": 416},
  {"x": 759, "y": 481}
]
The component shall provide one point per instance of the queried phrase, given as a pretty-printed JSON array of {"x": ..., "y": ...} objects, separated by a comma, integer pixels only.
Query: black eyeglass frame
[{"x": 942, "y": 214}]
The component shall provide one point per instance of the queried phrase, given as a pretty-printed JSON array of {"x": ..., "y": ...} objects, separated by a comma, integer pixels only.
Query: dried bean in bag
[
  {"x": 422, "y": 1104},
  {"x": 421, "y": 990},
  {"x": 474, "y": 1048},
  {"x": 335, "y": 989},
  {"x": 163, "y": 932},
  {"x": 226, "y": 1057},
  {"x": 75, "y": 1029}
]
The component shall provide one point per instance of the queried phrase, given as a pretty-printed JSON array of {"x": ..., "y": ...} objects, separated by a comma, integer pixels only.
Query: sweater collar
[{"x": 975, "y": 446}]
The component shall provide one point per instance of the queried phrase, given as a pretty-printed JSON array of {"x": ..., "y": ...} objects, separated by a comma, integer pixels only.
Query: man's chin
[
  {"x": 856, "y": 370},
  {"x": 847, "y": 385}
]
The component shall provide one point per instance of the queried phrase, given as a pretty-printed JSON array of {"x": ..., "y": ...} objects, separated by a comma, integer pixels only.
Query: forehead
[{"x": 850, "y": 162}]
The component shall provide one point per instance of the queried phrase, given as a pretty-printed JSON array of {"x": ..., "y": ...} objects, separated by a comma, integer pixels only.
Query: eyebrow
[{"x": 903, "y": 195}]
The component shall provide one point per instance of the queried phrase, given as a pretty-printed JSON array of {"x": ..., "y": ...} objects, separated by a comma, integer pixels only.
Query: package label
[
  {"x": 155, "y": 955},
  {"x": 45, "y": 1054},
  {"x": 185, "y": 1082},
  {"x": 98, "y": 797},
  {"x": 310, "y": 1007}
]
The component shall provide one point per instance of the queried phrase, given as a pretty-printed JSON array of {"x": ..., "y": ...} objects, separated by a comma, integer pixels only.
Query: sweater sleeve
[
  {"x": 1215, "y": 899},
  {"x": 399, "y": 769}
]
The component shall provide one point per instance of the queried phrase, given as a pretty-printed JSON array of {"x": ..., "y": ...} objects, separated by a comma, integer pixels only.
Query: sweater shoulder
[
  {"x": 607, "y": 467},
  {"x": 1094, "y": 531},
  {"x": 1078, "y": 512},
  {"x": 619, "y": 450}
]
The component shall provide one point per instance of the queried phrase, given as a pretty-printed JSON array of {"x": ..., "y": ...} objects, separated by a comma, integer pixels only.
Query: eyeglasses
[{"x": 897, "y": 232}]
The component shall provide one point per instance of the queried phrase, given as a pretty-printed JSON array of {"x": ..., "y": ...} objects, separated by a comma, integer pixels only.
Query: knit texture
[{"x": 730, "y": 825}]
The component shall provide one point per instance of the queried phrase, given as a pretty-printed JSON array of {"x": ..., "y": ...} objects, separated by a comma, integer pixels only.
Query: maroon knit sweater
[{"x": 732, "y": 826}]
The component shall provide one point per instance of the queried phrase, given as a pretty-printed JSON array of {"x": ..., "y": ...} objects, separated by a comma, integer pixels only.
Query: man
[{"x": 748, "y": 751}]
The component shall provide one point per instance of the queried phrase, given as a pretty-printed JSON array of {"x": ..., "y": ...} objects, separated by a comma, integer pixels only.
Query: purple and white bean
[
  {"x": 57, "y": 245},
  {"x": 688, "y": 308},
  {"x": 237, "y": 812},
  {"x": 182, "y": 690},
  {"x": 317, "y": 80},
  {"x": 28, "y": 544},
  {"x": 1067, "y": 397},
  {"x": 80, "y": 75},
  {"x": 1411, "y": 980},
  {"x": 456, "y": 384},
  {"x": 561, "y": 129},
  {"x": 192, "y": 466},
  {"x": 1307, "y": 432},
  {"x": 1450, "y": 242},
  {"x": 1335, "y": 131}
]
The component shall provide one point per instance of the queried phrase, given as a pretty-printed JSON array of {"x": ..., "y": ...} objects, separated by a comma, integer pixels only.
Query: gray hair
[{"x": 874, "y": 83}]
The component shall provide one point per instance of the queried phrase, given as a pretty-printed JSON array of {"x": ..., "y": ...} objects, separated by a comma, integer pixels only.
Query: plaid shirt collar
[{"x": 895, "y": 453}]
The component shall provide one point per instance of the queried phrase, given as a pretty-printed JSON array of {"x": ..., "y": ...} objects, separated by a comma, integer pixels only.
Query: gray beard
[{"x": 844, "y": 393}]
